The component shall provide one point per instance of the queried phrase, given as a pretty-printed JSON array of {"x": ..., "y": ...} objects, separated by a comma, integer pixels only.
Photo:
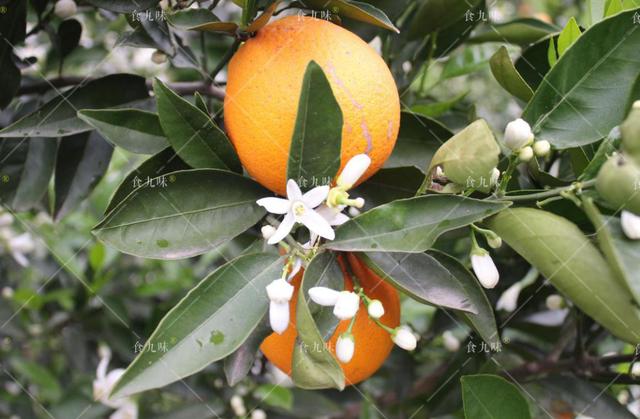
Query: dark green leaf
[
  {"x": 82, "y": 161},
  {"x": 187, "y": 214},
  {"x": 69, "y": 33},
  {"x": 388, "y": 185},
  {"x": 422, "y": 277},
  {"x": 466, "y": 61},
  {"x": 437, "y": 109},
  {"x": 314, "y": 367},
  {"x": 566, "y": 257},
  {"x": 159, "y": 31},
  {"x": 194, "y": 136},
  {"x": 356, "y": 10},
  {"x": 58, "y": 117},
  {"x": 238, "y": 364},
  {"x": 264, "y": 18},
  {"x": 37, "y": 171},
  {"x": 275, "y": 396},
  {"x": 225, "y": 27},
  {"x": 606, "y": 149},
  {"x": 566, "y": 110},
  {"x": 492, "y": 397},
  {"x": 124, "y": 6},
  {"x": 411, "y": 225},
  {"x": 506, "y": 74},
  {"x": 209, "y": 323},
  {"x": 521, "y": 31},
  {"x": 314, "y": 155},
  {"x": 13, "y": 23},
  {"x": 434, "y": 15},
  {"x": 533, "y": 64},
  {"x": 132, "y": 129},
  {"x": 38, "y": 375},
  {"x": 187, "y": 18},
  {"x": 10, "y": 77}
]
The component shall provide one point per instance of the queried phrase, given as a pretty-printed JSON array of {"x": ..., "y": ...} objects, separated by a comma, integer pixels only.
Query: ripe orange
[
  {"x": 372, "y": 343},
  {"x": 263, "y": 90}
]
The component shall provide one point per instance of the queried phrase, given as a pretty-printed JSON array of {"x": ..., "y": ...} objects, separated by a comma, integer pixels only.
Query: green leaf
[
  {"x": 566, "y": 257},
  {"x": 188, "y": 18},
  {"x": 434, "y": 15},
  {"x": 388, "y": 185},
  {"x": 58, "y": 117},
  {"x": 13, "y": 25},
  {"x": 484, "y": 322},
  {"x": 595, "y": 11},
  {"x": 468, "y": 60},
  {"x": 192, "y": 212},
  {"x": 238, "y": 364},
  {"x": 418, "y": 140},
  {"x": 469, "y": 157},
  {"x": 411, "y": 225},
  {"x": 69, "y": 33},
  {"x": 313, "y": 366},
  {"x": 521, "y": 31},
  {"x": 422, "y": 277},
  {"x": 124, "y": 6},
  {"x": 82, "y": 161},
  {"x": 566, "y": 110},
  {"x": 552, "y": 53},
  {"x": 481, "y": 401},
  {"x": 314, "y": 155},
  {"x": 209, "y": 323},
  {"x": 201, "y": 103},
  {"x": 533, "y": 63},
  {"x": 615, "y": 7},
  {"x": 48, "y": 386},
  {"x": 508, "y": 77},
  {"x": 194, "y": 136},
  {"x": 132, "y": 129},
  {"x": 274, "y": 396},
  {"x": 608, "y": 146},
  {"x": 437, "y": 109},
  {"x": 10, "y": 77},
  {"x": 226, "y": 27},
  {"x": 356, "y": 10},
  {"x": 264, "y": 18},
  {"x": 568, "y": 36}
]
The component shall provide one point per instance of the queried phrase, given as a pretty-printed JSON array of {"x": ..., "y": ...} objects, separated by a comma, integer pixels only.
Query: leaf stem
[
  {"x": 577, "y": 186},
  {"x": 225, "y": 59}
]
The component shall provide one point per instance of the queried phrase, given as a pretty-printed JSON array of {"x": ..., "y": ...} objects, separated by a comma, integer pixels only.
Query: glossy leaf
[
  {"x": 585, "y": 94},
  {"x": 238, "y": 364},
  {"x": 484, "y": 322},
  {"x": 82, "y": 161},
  {"x": 566, "y": 257},
  {"x": 506, "y": 74},
  {"x": 314, "y": 154},
  {"x": 192, "y": 134},
  {"x": 209, "y": 323},
  {"x": 36, "y": 173},
  {"x": 313, "y": 366},
  {"x": 434, "y": 15},
  {"x": 533, "y": 64},
  {"x": 124, "y": 6},
  {"x": 422, "y": 277},
  {"x": 132, "y": 129},
  {"x": 410, "y": 225},
  {"x": 521, "y": 31},
  {"x": 480, "y": 398},
  {"x": 357, "y": 10},
  {"x": 187, "y": 214},
  {"x": 58, "y": 117}
]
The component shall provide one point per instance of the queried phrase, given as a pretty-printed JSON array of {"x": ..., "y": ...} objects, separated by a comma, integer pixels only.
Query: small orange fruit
[
  {"x": 263, "y": 91},
  {"x": 372, "y": 343}
]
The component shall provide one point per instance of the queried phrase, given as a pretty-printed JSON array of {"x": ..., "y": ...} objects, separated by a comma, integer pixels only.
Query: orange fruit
[
  {"x": 372, "y": 343},
  {"x": 263, "y": 90}
]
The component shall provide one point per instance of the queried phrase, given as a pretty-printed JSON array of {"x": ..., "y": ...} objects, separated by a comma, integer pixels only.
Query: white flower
[
  {"x": 630, "y": 225},
  {"x": 237, "y": 405},
  {"x": 541, "y": 148},
  {"x": 22, "y": 243},
  {"x": 404, "y": 337},
  {"x": 635, "y": 370},
  {"x": 334, "y": 216},
  {"x": 554, "y": 302},
  {"x": 353, "y": 170},
  {"x": 103, "y": 385},
  {"x": 345, "y": 346},
  {"x": 508, "y": 301},
  {"x": 65, "y": 8},
  {"x": 451, "y": 343},
  {"x": 6, "y": 219},
  {"x": 495, "y": 176},
  {"x": 7, "y": 292},
  {"x": 525, "y": 154},
  {"x": 485, "y": 269},
  {"x": 375, "y": 309},
  {"x": 324, "y": 296},
  {"x": 258, "y": 414},
  {"x": 347, "y": 305},
  {"x": 518, "y": 134},
  {"x": 279, "y": 293},
  {"x": 267, "y": 231},
  {"x": 299, "y": 208}
]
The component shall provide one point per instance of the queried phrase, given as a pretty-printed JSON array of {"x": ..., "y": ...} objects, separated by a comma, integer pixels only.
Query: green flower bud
[
  {"x": 618, "y": 182},
  {"x": 630, "y": 130}
]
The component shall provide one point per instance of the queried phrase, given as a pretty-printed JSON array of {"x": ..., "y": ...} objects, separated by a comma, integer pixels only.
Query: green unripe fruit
[
  {"x": 618, "y": 183},
  {"x": 630, "y": 130}
]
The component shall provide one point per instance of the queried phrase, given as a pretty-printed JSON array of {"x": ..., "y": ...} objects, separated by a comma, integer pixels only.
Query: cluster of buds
[{"x": 519, "y": 138}]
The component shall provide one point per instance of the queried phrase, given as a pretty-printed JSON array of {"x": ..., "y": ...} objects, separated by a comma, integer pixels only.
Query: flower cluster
[{"x": 519, "y": 138}]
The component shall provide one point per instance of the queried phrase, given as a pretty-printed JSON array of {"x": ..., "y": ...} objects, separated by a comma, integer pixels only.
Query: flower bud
[
  {"x": 258, "y": 414},
  {"x": 280, "y": 291},
  {"x": 541, "y": 148},
  {"x": 495, "y": 177},
  {"x": 267, "y": 231},
  {"x": 404, "y": 337},
  {"x": 324, "y": 296},
  {"x": 630, "y": 225},
  {"x": 158, "y": 57},
  {"x": 375, "y": 309},
  {"x": 279, "y": 317},
  {"x": 65, "y": 8},
  {"x": 346, "y": 305},
  {"x": 518, "y": 134},
  {"x": 451, "y": 343},
  {"x": 635, "y": 370},
  {"x": 525, "y": 154},
  {"x": 7, "y": 292},
  {"x": 485, "y": 269},
  {"x": 237, "y": 405},
  {"x": 554, "y": 302},
  {"x": 345, "y": 346},
  {"x": 508, "y": 301},
  {"x": 353, "y": 170}
]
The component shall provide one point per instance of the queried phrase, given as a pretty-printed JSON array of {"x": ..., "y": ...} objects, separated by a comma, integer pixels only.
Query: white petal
[
  {"x": 21, "y": 259},
  {"x": 345, "y": 347},
  {"x": 347, "y": 305},
  {"x": 297, "y": 265},
  {"x": 316, "y": 224},
  {"x": 275, "y": 205},
  {"x": 324, "y": 296},
  {"x": 280, "y": 291},
  {"x": 315, "y": 196},
  {"x": 451, "y": 343},
  {"x": 518, "y": 134},
  {"x": 508, "y": 301},
  {"x": 129, "y": 410},
  {"x": 339, "y": 219},
  {"x": 267, "y": 231},
  {"x": 279, "y": 317},
  {"x": 403, "y": 337},
  {"x": 375, "y": 309},
  {"x": 630, "y": 225},
  {"x": 353, "y": 170},
  {"x": 485, "y": 270},
  {"x": 283, "y": 229},
  {"x": 293, "y": 191}
]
